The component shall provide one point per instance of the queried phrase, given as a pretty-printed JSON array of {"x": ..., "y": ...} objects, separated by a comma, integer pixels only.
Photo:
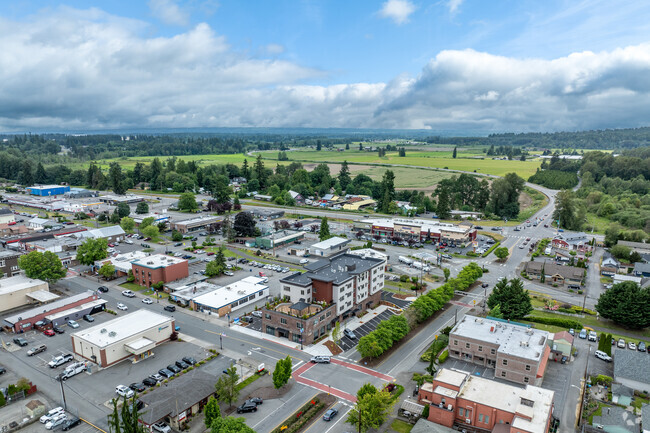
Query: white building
[
  {"x": 329, "y": 247},
  {"x": 38, "y": 223},
  {"x": 122, "y": 262},
  {"x": 110, "y": 233},
  {"x": 133, "y": 336},
  {"x": 19, "y": 291},
  {"x": 231, "y": 297}
]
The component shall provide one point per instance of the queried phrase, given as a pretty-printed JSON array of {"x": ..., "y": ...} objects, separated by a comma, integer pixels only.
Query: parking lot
[
  {"x": 347, "y": 343},
  {"x": 474, "y": 369}
]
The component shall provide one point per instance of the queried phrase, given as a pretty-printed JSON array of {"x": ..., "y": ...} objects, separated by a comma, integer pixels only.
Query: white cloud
[
  {"x": 169, "y": 12},
  {"x": 86, "y": 69},
  {"x": 274, "y": 49},
  {"x": 454, "y": 6},
  {"x": 397, "y": 10}
]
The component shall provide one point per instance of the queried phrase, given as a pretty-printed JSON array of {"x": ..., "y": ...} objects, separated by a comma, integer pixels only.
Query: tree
[
  {"x": 123, "y": 210},
  {"x": 125, "y": 420},
  {"x": 336, "y": 332},
  {"x": 216, "y": 266},
  {"x": 226, "y": 386},
  {"x": 324, "y": 232},
  {"x": 512, "y": 298},
  {"x": 244, "y": 224},
  {"x": 187, "y": 202},
  {"x": 626, "y": 304},
  {"x": 127, "y": 224},
  {"x": 142, "y": 208},
  {"x": 92, "y": 250},
  {"x": 40, "y": 176},
  {"x": 444, "y": 194},
  {"x": 370, "y": 411},
  {"x": 43, "y": 266},
  {"x": 107, "y": 270},
  {"x": 229, "y": 425},
  {"x": 567, "y": 211},
  {"x": 453, "y": 155},
  {"x": 151, "y": 232},
  {"x": 115, "y": 217},
  {"x": 366, "y": 389},
  {"x": 387, "y": 194},
  {"x": 177, "y": 236},
  {"x": 282, "y": 372},
  {"x": 146, "y": 223},
  {"x": 446, "y": 272},
  {"x": 318, "y": 145},
  {"x": 501, "y": 253},
  {"x": 116, "y": 178},
  {"x": 235, "y": 204},
  {"x": 344, "y": 176},
  {"x": 259, "y": 171},
  {"x": 504, "y": 196},
  {"x": 211, "y": 411}
]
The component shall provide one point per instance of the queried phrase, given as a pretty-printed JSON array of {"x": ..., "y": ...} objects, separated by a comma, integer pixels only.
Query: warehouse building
[
  {"x": 159, "y": 267},
  {"x": 19, "y": 291},
  {"x": 231, "y": 297},
  {"x": 279, "y": 239},
  {"x": 117, "y": 199},
  {"x": 48, "y": 190},
  {"x": 75, "y": 313},
  {"x": 196, "y": 224},
  {"x": 80, "y": 193},
  {"x": 329, "y": 247},
  {"x": 133, "y": 336},
  {"x": 111, "y": 234},
  {"x": 25, "y": 320}
]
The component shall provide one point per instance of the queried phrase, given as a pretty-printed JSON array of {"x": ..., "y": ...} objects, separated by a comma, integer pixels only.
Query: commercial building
[
  {"x": 578, "y": 242},
  {"x": 38, "y": 203},
  {"x": 185, "y": 293},
  {"x": 157, "y": 218},
  {"x": 111, "y": 234},
  {"x": 331, "y": 290},
  {"x": 80, "y": 193},
  {"x": 19, "y": 291},
  {"x": 517, "y": 353},
  {"x": 555, "y": 274},
  {"x": 458, "y": 399},
  {"x": 631, "y": 369},
  {"x": 7, "y": 216},
  {"x": 132, "y": 336},
  {"x": 279, "y": 239},
  {"x": 122, "y": 262},
  {"x": 329, "y": 247},
  {"x": 39, "y": 223},
  {"x": 270, "y": 214},
  {"x": 207, "y": 223},
  {"x": 53, "y": 244},
  {"x": 75, "y": 313},
  {"x": 360, "y": 204},
  {"x": 25, "y": 320},
  {"x": 9, "y": 263},
  {"x": 47, "y": 190},
  {"x": 421, "y": 230},
  {"x": 232, "y": 297},
  {"x": 159, "y": 267},
  {"x": 117, "y": 199}
]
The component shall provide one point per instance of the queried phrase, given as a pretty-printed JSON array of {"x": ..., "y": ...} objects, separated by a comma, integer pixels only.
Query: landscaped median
[{"x": 310, "y": 410}]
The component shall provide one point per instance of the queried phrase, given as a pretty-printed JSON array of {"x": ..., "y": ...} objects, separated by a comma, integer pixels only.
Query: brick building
[
  {"x": 159, "y": 267},
  {"x": 473, "y": 403},
  {"x": 331, "y": 290},
  {"x": 516, "y": 352},
  {"x": 9, "y": 263}
]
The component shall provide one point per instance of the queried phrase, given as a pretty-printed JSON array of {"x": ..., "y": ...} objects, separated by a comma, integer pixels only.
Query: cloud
[
  {"x": 274, "y": 49},
  {"x": 397, "y": 10},
  {"x": 169, "y": 12},
  {"x": 454, "y": 6},
  {"x": 71, "y": 69}
]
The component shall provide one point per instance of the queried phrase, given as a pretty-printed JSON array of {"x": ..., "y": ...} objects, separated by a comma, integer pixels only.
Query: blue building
[{"x": 48, "y": 190}]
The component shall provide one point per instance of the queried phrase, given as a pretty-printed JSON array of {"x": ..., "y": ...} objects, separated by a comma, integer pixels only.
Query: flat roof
[
  {"x": 18, "y": 283},
  {"x": 122, "y": 262},
  {"x": 330, "y": 243},
  {"x": 7, "y": 253},
  {"x": 42, "y": 296},
  {"x": 512, "y": 339},
  {"x": 158, "y": 261},
  {"x": 337, "y": 269},
  {"x": 48, "y": 307},
  {"x": 47, "y": 186},
  {"x": 425, "y": 225},
  {"x": 231, "y": 293},
  {"x": 76, "y": 309},
  {"x": 369, "y": 252},
  {"x": 198, "y": 220},
  {"x": 191, "y": 291},
  {"x": 122, "y": 327},
  {"x": 451, "y": 377}
]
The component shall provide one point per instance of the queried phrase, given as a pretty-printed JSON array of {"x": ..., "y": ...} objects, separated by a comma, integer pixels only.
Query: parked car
[
  {"x": 189, "y": 360},
  {"x": 161, "y": 427},
  {"x": 304, "y": 261},
  {"x": 49, "y": 333},
  {"x": 128, "y": 293},
  {"x": 102, "y": 289},
  {"x": 170, "y": 308},
  {"x": 58, "y": 330},
  {"x": 124, "y": 391},
  {"x": 89, "y": 318},
  {"x": 165, "y": 372},
  {"x": 147, "y": 301},
  {"x": 257, "y": 313},
  {"x": 630, "y": 345},
  {"x": 320, "y": 359},
  {"x": 121, "y": 306},
  {"x": 137, "y": 386},
  {"x": 60, "y": 360},
  {"x": 173, "y": 368},
  {"x": 602, "y": 355},
  {"x": 583, "y": 334},
  {"x": 56, "y": 421},
  {"x": 256, "y": 400},
  {"x": 641, "y": 346},
  {"x": 592, "y": 336},
  {"x": 182, "y": 364},
  {"x": 2, "y": 370},
  {"x": 51, "y": 414},
  {"x": 149, "y": 381},
  {"x": 20, "y": 341},
  {"x": 37, "y": 349},
  {"x": 73, "y": 370},
  {"x": 621, "y": 343},
  {"x": 572, "y": 331},
  {"x": 330, "y": 414},
  {"x": 157, "y": 377},
  {"x": 350, "y": 334},
  {"x": 247, "y": 407},
  {"x": 71, "y": 423}
]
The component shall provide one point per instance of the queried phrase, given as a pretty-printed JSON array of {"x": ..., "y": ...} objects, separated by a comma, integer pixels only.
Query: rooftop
[
  {"x": 123, "y": 327},
  {"x": 4, "y": 254},
  {"x": 512, "y": 339},
  {"x": 425, "y": 225},
  {"x": 158, "y": 261},
  {"x": 122, "y": 262},
  {"x": 49, "y": 307},
  {"x": 369, "y": 252},
  {"x": 102, "y": 232},
  {"x": 338, "y": 268},
  {"x": 632, "y": 365},
  {"x": 46, "y": 186},
  {"x": 17, "y": 283},
  {"x": 199, "y": 220},
  {"x": 330, "y": 243},
  {"x": 191, "y": 291},
  {"x": 231, "y": 293}
]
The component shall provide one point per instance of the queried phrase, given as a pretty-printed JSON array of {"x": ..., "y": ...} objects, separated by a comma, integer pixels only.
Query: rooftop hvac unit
[
  {"x": 103, "y": 331},
  {"x": 112, "y": 334}
]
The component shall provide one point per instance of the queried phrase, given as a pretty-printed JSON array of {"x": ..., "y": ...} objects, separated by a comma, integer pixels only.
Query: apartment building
[
  {"x": 159, "y": 267},
  {"x": 458, "y": 399},
  {"x": 517, "y": 353}
]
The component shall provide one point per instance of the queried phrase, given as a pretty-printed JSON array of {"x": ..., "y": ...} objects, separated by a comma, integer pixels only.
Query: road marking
[
  {"x": 93, "y": 425},
  {"x": 364, "y": 370},
  {"x": 248, "y": 342},
  {"x": 312, "y": 397}
]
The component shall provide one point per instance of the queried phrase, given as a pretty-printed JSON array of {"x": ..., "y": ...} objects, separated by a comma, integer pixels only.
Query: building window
[
  {"x": 283, "y": 321},
  {"x": 526, "y": 379},
  {"x": 270, "y": 330},
  {"x": 505, "y": 362},
  {"x": 329, "y": 313},
  {"x": 480, "y": 348},
  {"x": 461, "y": 411},
  {"x": 487, "y": 419},
  {"x": 480, "y": 417},
  {"x": 298, "y": 325},
  {"x": 493, "y": 351},
  {"x": 503, "y": 374},
  {"x": 268, "y": 316},
  {"x": 455, "y": 342},
  {"x": 466, "y": 345},
  {"x": 302, "y": 292},
  {"x": 527, "y": 367}
]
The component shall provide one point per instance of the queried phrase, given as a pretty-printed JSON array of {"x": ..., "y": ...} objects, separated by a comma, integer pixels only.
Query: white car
[
  {"x": 257, "y": 313},
  {"x": 228, "y": 273},
  {"x": 73, "y": 324},
  {"x": 147, "y": 301},
  {"x": 128, "y": 241},
  {"x": 122, "y": 307},
  {"x": 51, "y": 414},
  {"x": 124, "y": 391},
  {"x": 631, "y": 346},
  {"x": 161, "y": 427},
  {"x": 303, "y": 261},
  {"x": 56, "y": 421},
  {"x": 128, "y": 293}
]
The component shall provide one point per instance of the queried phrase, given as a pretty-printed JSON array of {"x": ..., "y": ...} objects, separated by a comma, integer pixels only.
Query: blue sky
[{"x": 441, "y": 65}]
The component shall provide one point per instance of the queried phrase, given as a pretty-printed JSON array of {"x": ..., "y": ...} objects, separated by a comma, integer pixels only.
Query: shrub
[
  {"x": 403, "y": 278},
  {"x": 556, "y": 321},
  {"x": 443, "y": 356}
]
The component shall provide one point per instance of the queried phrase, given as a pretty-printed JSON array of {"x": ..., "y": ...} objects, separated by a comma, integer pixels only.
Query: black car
[
  {"x": 89, "y": 318},
  {"x": 165, "y": 372},
  {"x": 256, "y": 400},
  {"x": 57, "y": 330},
  {"x": 189, "y": 360},
  {"x": 182, "y": 365},
  {"x": 137, "y": 387},
  {"x": 247, "y": 407},
  {"x": 71, "y": 423},
  {"x": 173, "y": 368},
  {"x": 102, "y": 289},
  {"x": 170, "y": 308},
  {"x": 20, "y": 341},
  {"x": 330, "y": 414},
  {"x": 2, "y": 370},
  {"x": 178, "y": 244},
  {"x": 150, "y": 381}
]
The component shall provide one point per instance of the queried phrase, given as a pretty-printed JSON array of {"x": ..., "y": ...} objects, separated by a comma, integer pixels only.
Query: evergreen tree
[
  {"x": 211, "y": 411},
  {"x": 116, "y": 179},
  {"x": 245, "y": 170},
  {"x": 513, "y": 299},
  {"x": 344, "y": 176},
  {"x": 40, "y": 176},
  {"x": 324, "y": 232},
  {"x": 453, "y": 155},
  {"x": 387, "y": 191},
  {"x": 260, "y": 173}
]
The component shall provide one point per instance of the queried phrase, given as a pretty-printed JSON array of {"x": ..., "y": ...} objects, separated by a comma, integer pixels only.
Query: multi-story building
[
  {"x": 331, "y": 290},
  {"x": 572, "y": 242},
  {"x": 473, "y": 403},
  {"x": 517, "y": 353},
  {"x": 9, "y": 263},
  {"x": 159, "y": 267},
  {"x": 329, "y": 247},
  {"x": 7, "y": 216}
]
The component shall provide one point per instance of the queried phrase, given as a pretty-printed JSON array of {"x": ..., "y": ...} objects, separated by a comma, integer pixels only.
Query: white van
[
  {"x": 602, "y": 355},
  {"x": 405, "y": 260}
]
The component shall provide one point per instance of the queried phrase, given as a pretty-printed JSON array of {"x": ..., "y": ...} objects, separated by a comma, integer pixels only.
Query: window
[
  {"x": 480, "y": 417},
  {"x": 527, "y": 402},
  {"x": 480, "y": 348},
  {"x": 505, "y": 362},
  {"x": 298, "y": 325},
  {"x": 527, "y": 367},
  {"x": 466, "y": 345},
  {"x": 302, "y": 292},
  {"x": 455, "y": 342},
  {"x": 526, "y": 379},
  {"x": 287, "y": 289},
  {"x": 268, "y": 316},
  {"x": 283, "y": 321},
  {"x": 461, "y": 411},
  {"x": 329, "y": 313},
  {"x": 503, "y": 374},
  {"x": 487, "y": 419},
  {"x": 493, "y": 351},
  {"x": 270, "y": 330}
]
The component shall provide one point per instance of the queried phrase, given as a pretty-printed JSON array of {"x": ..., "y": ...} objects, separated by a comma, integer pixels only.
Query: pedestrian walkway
[{"x": 320, "y": 386}]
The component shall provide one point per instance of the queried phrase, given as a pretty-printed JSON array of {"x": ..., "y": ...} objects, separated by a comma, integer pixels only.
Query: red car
[
  {"x": 211, "y": 253},
  {"x": 111, "y": 245},
  {"x": 49, "y": 332}
]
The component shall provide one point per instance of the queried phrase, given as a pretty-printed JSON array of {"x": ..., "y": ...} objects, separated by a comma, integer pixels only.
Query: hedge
[
  {"x": 487, "y": 253},
  {"x": 556, "y": 321},
  {"x": 387, "y": 333},
  {"x": 437, "y": 345},
  {"x": 443, "y": 356}
]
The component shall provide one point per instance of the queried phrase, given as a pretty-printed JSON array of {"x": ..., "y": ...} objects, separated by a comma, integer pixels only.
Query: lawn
[
  {"x": 401, "y": 426},
  {"x": 593, "y": 322}
]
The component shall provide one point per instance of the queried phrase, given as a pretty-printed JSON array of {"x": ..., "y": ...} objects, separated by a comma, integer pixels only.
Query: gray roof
[
  {"x": 4, "y": 254},
  {"x": 642, "y": 268},
  {"x": 177, "y": 395},
  {"x": 5, "y": 211},
  {"x": 336, "y": 269},
  {"x": 552, "y": 269},
  {"x": 103, "y": 232},
  {"x": 632, "y": 365},
  {"x": 645, "y": 415},
  {"x": 425, "y": 426},
  {"x": 49, "y": 307}
]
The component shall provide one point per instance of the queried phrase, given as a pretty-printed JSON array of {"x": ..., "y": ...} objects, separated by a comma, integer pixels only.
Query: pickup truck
[
  {"x": 60, "y": 360},
  {"x": 73, "y": 370}
]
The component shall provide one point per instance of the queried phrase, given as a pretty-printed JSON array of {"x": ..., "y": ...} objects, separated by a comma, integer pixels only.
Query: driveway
[{"x": 366, "y": 328}]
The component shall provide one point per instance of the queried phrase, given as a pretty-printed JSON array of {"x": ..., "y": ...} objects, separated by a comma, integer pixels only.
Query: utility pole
[{"x": 60, "y": 380}]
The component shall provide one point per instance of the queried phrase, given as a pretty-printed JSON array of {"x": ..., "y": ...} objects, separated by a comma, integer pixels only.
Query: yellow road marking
[
  {"x": 93, "y": 425},
  {"x": 284, "y": 420}
]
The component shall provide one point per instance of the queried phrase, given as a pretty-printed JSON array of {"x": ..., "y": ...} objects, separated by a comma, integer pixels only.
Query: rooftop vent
[
  {"x": 103, "y": 331},
  {"x": 112, "y": 334}
]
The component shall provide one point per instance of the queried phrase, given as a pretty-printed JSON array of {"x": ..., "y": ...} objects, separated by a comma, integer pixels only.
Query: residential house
[
  {"x": 631, "y": 369},
  {"x": 7, "y": 216},
  {"x": 641, "y": 269},
  {"x": 640, "y": 247},
  {"x": 561, "y": 345},
  {"x": 39, "y": 223},
  {"x": 609, "y": 266},
  {"x": 578, "y": 242},
  {"x": 298, "y": 198},
  {"x": 555, "y": 274}
]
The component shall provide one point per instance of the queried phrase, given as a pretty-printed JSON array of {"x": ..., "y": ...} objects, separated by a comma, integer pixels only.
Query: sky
[{"x": 449, "y": 65}]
